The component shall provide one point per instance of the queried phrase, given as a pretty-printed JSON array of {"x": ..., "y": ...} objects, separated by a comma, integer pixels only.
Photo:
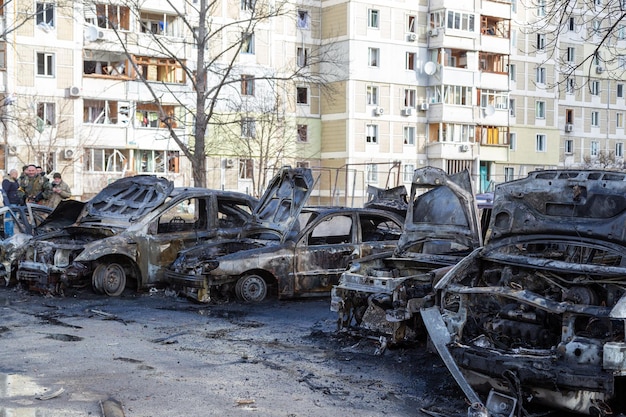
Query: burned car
[
  {"x": 383, "y": 293},
  {"x": 129, "y": 232},
  {"x": 285, "y": 248},
  {"x": 538, "y": 315}
]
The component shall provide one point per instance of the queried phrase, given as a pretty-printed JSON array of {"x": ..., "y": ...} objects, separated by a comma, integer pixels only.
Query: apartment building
[{"x": 457, "y": 84}]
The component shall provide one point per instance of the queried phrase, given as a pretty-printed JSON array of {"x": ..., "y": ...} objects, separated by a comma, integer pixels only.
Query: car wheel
[
  {"x": 251, "y": 288},
  {"x": 109, "y": 278}
]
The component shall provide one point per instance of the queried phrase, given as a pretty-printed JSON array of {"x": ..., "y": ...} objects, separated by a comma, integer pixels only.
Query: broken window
[
  {"x": 248, "y": 127},
  {"x": 165, "y": 70},
  {"x": 106, "y": 160},
  {"x": 105, "y": 112},
  {"x": 158, "y": 24},
  {"x": 157, "y": 161},
  {"x": 105, "y": 63},
  {"x": 333, "y": 230},
  {"x": 246, "y": 169},
  {"x": 44, "y": 12},
  {"x": 247, "y": 85},
  {"x": 247, "y": 4},
  {"x": 148, "y": 115},
  {"x": 302, "y": 55},
  {"x": 45, "y": 115},
  {"x": 303, "y": 19},
  {"x": 302, "y": 95},
  {"x": 303, "y": 133},
  {"x": 247, "y": 43},
  {"x": 188, "y": 215}
]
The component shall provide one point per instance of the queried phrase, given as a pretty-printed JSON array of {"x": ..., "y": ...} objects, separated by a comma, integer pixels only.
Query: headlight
[
  {"x": 62, "y": 258},
  {"x": 355, "y": 267}
]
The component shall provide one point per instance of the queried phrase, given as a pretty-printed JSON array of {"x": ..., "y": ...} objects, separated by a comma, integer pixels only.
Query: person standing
[
  {"x": 60, "y": 190},
  {"x": 33, "y": 188},
  {"x": 9, "y": 188}
]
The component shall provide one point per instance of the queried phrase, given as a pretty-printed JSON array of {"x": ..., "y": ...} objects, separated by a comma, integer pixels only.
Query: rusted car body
[
  {"x": 538, "y": 316},
  {"x": 383, "y": 293},
  {"x": 299, "y": 255},
  {"x": 130, "y": 231}
]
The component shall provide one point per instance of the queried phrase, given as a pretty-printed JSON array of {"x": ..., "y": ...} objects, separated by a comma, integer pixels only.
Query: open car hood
[
  {"x": 585, "y": 203},
  {"x": 128, "y": 198},
  {"x": 280, "y": 205},
  {"x": 446, "y": 212},
  {"x": 63, "y": 215}
]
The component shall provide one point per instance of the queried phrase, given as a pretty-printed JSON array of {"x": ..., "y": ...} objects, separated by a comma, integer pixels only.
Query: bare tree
[
  {"x": 563, "y": 27},
  {"x": 209, "y": 60},
  {"x": 604, "y": 160}
]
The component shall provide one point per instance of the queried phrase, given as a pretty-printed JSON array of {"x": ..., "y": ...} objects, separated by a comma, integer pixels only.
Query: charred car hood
[
  {"x": 128, "y": 199},
  {"x": 280, "y": 205},
  {"x": 559, "y": 203},
  {"x": 211, "y": 251},
  {"x": 63, "y": 215},
  {"x": 446, "y": 212}
]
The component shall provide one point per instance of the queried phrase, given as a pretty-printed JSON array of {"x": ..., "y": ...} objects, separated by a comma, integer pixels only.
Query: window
[
  {"x": 410, "y": 23},
  {"x": 512, "y": 74},
  {"x": 372, "y": 95},
  {"x": 410, "y": 97},
  {"x": 541, "y": 75},
  {"x": 247, "y": 4},
  {"x": 372, "y": 18},
  {"x": 302, "y": 95},
  {"x": 165, "y": 70},
  {"x": 247, "y": 85},
  {"x": 541, "y": 41},
  {"x": 570, "y": 85},
  {"x": 409, "y": 135},
  {"x": 569, "y": 146},
  {"x": 595, "y": 118},
  {"x": 411, "y": 57},
  {"x": 246, "y": 169},
  {"x": 453, "y": 94},
  {"x": 304, "y": 20},
  {"x": 302, "y": 56},
  {"x": 190, "y": 215},
  {"x": 497, "y": 99},
  {"x": 512, "y": 107},
  {"x": 569, "y": 116},
  {"x": 373, "y": 56},
  {"x": 514, "y": 6},
  {"x": 248, "y": 127},
  {"x": 540, "y": 143},
  {"x": 106, "y": 112},
  {"x": 303, "y": 133},
  {"x": 461, "y": 21},
  {"x": 372, "y": 172},
  {"x": 620, "y": 91},
  {"x": 619, "y": 120},
  {"x": 247, "y": 43},
  {"x": 571, "y": 54},
  {"x": 106, "y": 160},
  {"x": 619, "y": 149},
  {"x": 571, "y": 24},
  {"x": 597, "y": 58},
  {"x": 509, "y": 174},
  {"x": 540, "y": 109},
  {"x": 333, "y": 230},
  {"x": 621, "y": 32},
  {"x": 149, "y": 115},
  {"x": 45, "y": 115},
  {"x": 109, "y": 16},
  {"x": 596, "y": 27},
  {"x": 303, "y": 164},
  {"x": 45, "y": 64},
  {"x": 512, "y": 141},
  {"x": 157, "y": 161},
  {"x": 408, "y": 172},
  {"x": 541, "y": 8},
  {"x": 595, "y": 88},
  {"x": 158, "y": 23},
  {"x": 371, "y": 133},
  {"x": 594, "y": 148},
  {"x": 45, "y": 14}
]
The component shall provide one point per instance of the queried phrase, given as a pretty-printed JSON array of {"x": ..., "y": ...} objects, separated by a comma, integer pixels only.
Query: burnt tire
[
  {"x": 96, "y": 282},
  {"x": 251, "y": 288},
  {"x": 110, "y": 278}
]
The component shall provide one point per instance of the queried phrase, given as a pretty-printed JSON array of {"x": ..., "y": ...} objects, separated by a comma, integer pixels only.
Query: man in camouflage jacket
[{"x": 33, "y": 188}]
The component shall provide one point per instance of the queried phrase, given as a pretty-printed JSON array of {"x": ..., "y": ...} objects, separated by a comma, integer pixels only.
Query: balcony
[
  {"x": 493, "y": 81},
  {"x": 495, "y": 44},
  {"x": 496, "y": 8},
  {"x": 449, "y": 113},
  {"x": 451, "y": 150}
]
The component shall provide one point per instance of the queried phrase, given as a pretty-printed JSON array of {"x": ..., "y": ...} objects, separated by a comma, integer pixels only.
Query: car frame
[
  {"x": 129, "y": 233},
  {"x": 536, "y": 318}
]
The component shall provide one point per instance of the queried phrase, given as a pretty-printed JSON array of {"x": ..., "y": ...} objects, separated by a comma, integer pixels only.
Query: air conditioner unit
[
  {"x": 74, "y": 91},
  {"x": 407, "y": 111},
  {"x": 379, "y": 111},
  {"x": 464, "y": 148},
  {"x": 412, "y": 37},
  {"x": 100, "y": 34},
  {"x": 569, "y": 127},
  {"x": 433, "y": 32},
  {"x": 229, "y": 163},
  {"x": 424, "y": 106},
  {"x": 12, "y": 149},
  {"x": 68, "y": 153},
  {"x": 599, "y": 69}
]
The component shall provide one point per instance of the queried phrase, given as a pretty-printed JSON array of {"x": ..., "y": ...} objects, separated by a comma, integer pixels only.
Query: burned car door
[
  {"x": 324, "y": 251},
  {"x": 184, "y": 224},
  {"x": 378, "y": 233}
]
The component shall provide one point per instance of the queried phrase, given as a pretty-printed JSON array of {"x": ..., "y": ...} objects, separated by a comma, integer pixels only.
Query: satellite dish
[
  {"x": 489, "y": 110},
  {"x": 91, "y": 33},
  {"x": 430, "y": 68}
]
